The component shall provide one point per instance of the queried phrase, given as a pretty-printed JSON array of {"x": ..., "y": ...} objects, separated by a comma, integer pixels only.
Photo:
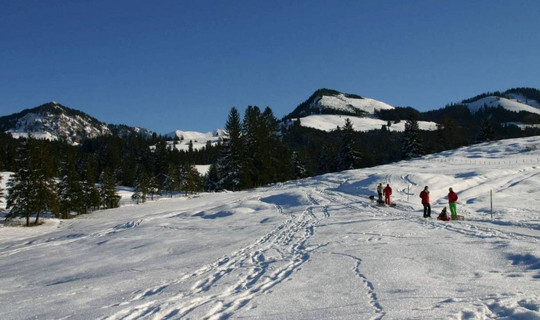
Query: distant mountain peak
[
  {"x": 329, "y": 101},
  {"x": 54, "y": 121},
  {"x": 517, "y": 99}
]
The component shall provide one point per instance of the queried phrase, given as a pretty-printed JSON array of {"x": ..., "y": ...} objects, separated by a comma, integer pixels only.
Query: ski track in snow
[
  {"x": 74, "y": 237},
  {"x": 370, "y": 288},
  {"x": 231, "y": 283},
  {"x": 242, "y": 276}
]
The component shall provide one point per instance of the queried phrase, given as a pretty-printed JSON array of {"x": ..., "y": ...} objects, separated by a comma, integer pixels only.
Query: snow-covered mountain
[
  {"x": 327, "y": 101},
  {"x": 316, "y": 248},
  {"x": 181, "y": 140},
  {"x": 54, "y": 121},
  {"x": 520, "y": 99},
  {"x": 327, "y": 109},
  {"x": 329, "y": 122}
]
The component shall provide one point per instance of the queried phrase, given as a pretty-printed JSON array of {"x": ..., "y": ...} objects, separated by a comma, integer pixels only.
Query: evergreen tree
[
  {"x": 212, "y": 179},
  {"x": 142, "y": 186},
  {"x": 194, "y": 181},
  {"x": 1, "y": 190},
  {"x": 327, "y": 159},
  {"x": 154, "y": 187},
  {"x": 252, "y": 132},
  {"x": 20, "y": 190},
  {"x": 348, "y": 157},
  {"x": 276, "y": 155},
  {"x": 486, "y": 133},
  {"x": 32, "y": 187},
  {"x": 92, "y": 195},
  {"x": 230, "y": 160},
  {"x": 448, "y": 134},
  {"x": 70, "y": 189},
  {"x": 299, "y": 169},
  {"x": 411, "y": 143},
  {"x": 171, "y": 184},
  {"x": 266, "y": 158},
  {"x": 109, "y": 196}
]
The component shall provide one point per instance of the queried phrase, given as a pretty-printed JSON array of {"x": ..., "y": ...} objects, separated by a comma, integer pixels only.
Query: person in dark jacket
[
  {"x": 387, "y": 193},
  {"x": 452, "y": 199},
  {"x": 425, "y": 202}
]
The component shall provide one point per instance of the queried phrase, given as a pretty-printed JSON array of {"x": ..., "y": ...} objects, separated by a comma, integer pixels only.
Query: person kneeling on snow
[{"x": 443, "y": 215}]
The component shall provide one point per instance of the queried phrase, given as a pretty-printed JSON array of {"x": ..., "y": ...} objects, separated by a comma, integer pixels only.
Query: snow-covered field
[
  {"x": 309, "y": 249},
  {"x": 329, "y": 122}
]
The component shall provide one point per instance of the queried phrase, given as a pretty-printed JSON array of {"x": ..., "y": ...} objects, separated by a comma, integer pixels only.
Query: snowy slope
[
  {"x": 330, "y": 122},
  {"x": 327, "y": 101},
  {"x": 198, "y": 139},
  {"x": 343, "y": 103},
  {"x": 53, "y": 121},
  {"x": 515, "y": 105},
  {"x": 309, "y": 249}
]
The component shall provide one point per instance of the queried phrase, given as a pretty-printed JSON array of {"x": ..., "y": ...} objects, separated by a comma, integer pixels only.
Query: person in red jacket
[
  {"x": 452, "y": 198},
  {"x": 425, "y": 202},
  {"x": 387, "y": 193}
]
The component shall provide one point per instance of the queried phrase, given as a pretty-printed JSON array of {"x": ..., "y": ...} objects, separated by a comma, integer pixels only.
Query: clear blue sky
[{"x": 180, "y": 64}]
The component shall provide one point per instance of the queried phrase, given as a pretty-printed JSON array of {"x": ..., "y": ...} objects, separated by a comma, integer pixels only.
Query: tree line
[{"x": 258, "y": 149}]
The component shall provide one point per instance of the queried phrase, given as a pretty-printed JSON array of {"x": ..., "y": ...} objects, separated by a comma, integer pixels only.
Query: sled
[
  {"x": 444, "y": 218},
  {"x": 392, "y": 204},
  {"x": 458, "y": 217}
]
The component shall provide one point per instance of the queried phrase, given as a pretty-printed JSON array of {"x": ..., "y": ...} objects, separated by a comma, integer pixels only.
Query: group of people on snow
[
  {"x": 424, "y": 195},
  {"x": 387, "y": 191}
]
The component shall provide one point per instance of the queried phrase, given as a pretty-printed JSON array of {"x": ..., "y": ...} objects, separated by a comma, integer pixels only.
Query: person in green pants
[{"x": 452, "y": 198}]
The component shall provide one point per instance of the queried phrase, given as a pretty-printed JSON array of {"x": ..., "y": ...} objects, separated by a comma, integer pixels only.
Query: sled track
[
  {"x": 218, "y": 290},
  {"x": 370, "y": 288},
  {"x": 462, "y": 227}
]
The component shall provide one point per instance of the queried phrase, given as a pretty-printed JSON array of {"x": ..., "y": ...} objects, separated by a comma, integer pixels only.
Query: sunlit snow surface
[
  {"x": 310, "y": 249},
  {"x": 330, "y": 122}
]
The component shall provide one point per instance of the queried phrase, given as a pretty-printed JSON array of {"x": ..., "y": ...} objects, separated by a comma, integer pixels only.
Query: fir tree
[
  {"x": 194, "y": 181},
  {"x": 142, "y": 186},
  {"x": 70, "y": 189},
  {"x": 448, "y": 134},
  {"x": 109, "y": 197},
  {"x": 91, "y": 192},
  {"x": 32, "y": 187},
  {"x": 1, "y": 190},
  {"x": 299, "y": 169},
  {"x": 411, "y": 143},
  {"x": 326, "y": 160},
  {"x": 486, "y": 133},
  {"x": 230, "y": 161},
  {"x": 153, "y": 187},
  {"x": 171, "y": 183},
  {"x": 212, "y": 179},
  {"x": 348, "y": 157}
]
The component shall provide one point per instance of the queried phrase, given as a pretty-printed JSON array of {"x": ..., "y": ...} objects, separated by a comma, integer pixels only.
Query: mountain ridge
[{"x": 55, "y": 121}]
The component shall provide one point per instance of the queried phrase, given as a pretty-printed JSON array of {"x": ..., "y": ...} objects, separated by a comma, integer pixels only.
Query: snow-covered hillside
[
  {"x": 517, "y": 104},
  {"x": 327, "y": 101},
  {"x": 330, "y": 122},
  {"x": 53, "y": 121},
  {"x": 341, "y": 102},
  {"x": 199, "y": 140},
  {"x": 308, "y": 249}
]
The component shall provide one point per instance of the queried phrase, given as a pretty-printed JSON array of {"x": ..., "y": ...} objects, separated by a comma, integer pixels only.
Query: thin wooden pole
[{"x": 491, "y": 199}]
